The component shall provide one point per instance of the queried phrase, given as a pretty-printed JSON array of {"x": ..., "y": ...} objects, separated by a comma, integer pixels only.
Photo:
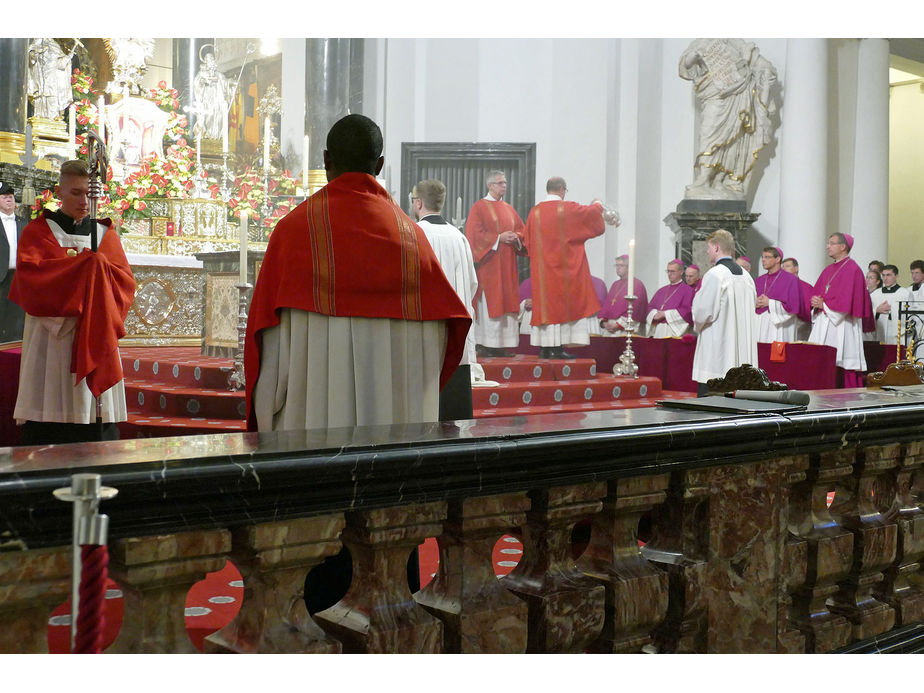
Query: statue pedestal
[{"x": 694, "y": 220}]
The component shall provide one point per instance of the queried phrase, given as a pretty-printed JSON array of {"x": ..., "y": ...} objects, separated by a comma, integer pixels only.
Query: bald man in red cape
[
  {"x": 76, "y": 302},
  {"x": 352, "y": 321},
  {"x": 563, "y": 294}
]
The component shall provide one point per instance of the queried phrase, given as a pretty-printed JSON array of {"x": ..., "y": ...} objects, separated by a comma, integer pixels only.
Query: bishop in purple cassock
[
  {"x": 616, "y": 307},
  {"x": 670, "y": 309},
  {"x": 842, "y": 311},
  {"x": 779, "y": 300}
]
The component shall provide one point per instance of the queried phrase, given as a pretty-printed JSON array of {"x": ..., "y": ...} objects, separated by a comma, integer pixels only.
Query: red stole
[{"x": 97, "y": 288}]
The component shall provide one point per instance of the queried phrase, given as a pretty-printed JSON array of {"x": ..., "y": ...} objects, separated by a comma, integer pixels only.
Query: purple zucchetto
[{"x": 849, "y": 239}]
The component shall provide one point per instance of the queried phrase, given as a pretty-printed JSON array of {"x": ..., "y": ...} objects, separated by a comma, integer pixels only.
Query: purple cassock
[
  {"x": 615, "y": 305},
  {"x": 805, "y": 308},
  {"x": 842, "y": 285},
  {"x": 677, "y": 297},
  {"x": 783, "y": 287},
  {"x": 526, "y": 289}
]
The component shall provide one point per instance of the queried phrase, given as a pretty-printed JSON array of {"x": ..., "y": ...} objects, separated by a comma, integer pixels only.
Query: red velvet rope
[{"x": 93, "y": 573}]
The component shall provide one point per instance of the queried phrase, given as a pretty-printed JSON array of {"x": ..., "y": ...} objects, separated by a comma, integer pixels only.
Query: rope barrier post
[{"x": 86, "y": 492}]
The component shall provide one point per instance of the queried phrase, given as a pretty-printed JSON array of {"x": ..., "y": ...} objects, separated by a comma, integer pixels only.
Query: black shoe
[
  {"x": 500, "y": 351},
  {"x": 562, "y": 354},
  {"x": 546, "y": 352}
]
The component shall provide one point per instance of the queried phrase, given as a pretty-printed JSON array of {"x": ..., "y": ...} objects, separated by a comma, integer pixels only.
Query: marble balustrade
[{"x": 743, "y": 553}]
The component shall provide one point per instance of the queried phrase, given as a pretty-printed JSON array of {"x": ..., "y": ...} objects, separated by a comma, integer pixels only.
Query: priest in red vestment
[
  {"x": 76, "y": 302},
  {"x": 615, "y": 308},
  {"x": 563, "y": 294},
  {"x": 352, "y": 320},
  {"x": 493, "y": 231},
  {"x": 842, "y": 310}
]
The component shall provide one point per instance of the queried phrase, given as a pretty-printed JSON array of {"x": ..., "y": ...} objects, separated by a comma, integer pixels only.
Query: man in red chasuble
[
  {"x": 563, "y": 293},
  {"x": 493, "y": 230},
  {"x": 76, "y": 302},
  {"x": 352, "y": 321}
]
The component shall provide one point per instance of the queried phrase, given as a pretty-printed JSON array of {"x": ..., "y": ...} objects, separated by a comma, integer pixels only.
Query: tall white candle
[
  {"x": 266, "y": 143},
  {"x": 631, "y": 282},
  {"x": 243, "y": 243},
  {"x": 101, "y": 105},
  {"x": 72, "y": 127},
  {"x": 305, "y": 162},
  {"x": 459, "y": 207},
  {"x": 224, "y": 131}
]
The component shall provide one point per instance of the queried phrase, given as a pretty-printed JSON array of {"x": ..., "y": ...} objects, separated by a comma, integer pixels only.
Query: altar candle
[
  {"x": 305, "y": 163},
  {"x": 459, "y": 207},
  {"x": 72, "y": 126},
  {"x": 101, "y": 105},
  {"x": 224, "y": 131},
  {"x": 631, "y": 282},
  {"x": 266, "y": 143},
  {"x": 243, "y": 244}
]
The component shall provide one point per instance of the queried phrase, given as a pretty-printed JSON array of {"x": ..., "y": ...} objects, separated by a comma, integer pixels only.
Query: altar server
[
  {"x": 455, "y": 257},
  {"x": 352, "y": 321},
  {"x": 842, "y": 311},
  {"x": 76, "y": 302},
  {"x": 669, "y": 310},
  {"x": 887, "y": 303},
  {"x": 563, "y": 295},
  {"x": 723, "y": 314},
  {"x": 779, "y": 299},
  {"x": 493, "y": 230}
]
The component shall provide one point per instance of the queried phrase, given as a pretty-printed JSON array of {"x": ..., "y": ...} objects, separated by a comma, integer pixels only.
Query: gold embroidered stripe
[
  {"x": 322, "y": 253},
  {"x": 410, "y": 267}
]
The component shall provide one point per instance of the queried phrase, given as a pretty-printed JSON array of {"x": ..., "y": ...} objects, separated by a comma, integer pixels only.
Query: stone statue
[
  {"x": 732, "y": 83},
  {"x": 129, "y": 63},
  {"x": 49, "y": 78},
  {"x": 210, "y": 89}
]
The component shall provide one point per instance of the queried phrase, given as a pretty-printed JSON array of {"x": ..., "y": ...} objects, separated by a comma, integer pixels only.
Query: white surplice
[
  {"x": 325, "y": 372},
  {"x": 886, "y": 329},
  {"x": 47, "y": 388},
  {"x": 842, "y": 331},
  {"x": 455, "y": 257},
  {"x": 725, "y": 323},
  {"x": 776, "y": 325}
]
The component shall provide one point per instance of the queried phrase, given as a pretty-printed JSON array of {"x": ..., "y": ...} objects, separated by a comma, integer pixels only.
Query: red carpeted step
[
  {"x": 157, "y": 398},
  {"x": 145, "y": 426},
  {"x": 604, "y": 388},
  {"x": 529, "y": 368},
  {"x": 176, "y": 366},
  {"x": 641, "y": 403}
]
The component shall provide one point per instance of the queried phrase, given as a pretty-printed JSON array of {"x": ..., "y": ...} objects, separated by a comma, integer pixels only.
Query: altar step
[{"x": 177, "y": 391}]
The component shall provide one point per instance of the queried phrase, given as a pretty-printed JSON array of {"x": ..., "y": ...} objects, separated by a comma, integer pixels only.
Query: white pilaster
[
  {"x": 292, "y": 135},
  {"x": 804, "y": 155},
  {"x": 869, "y": 214}
]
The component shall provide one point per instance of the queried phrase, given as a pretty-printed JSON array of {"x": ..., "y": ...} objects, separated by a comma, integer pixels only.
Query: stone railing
[{"x": 743, "y": 553}]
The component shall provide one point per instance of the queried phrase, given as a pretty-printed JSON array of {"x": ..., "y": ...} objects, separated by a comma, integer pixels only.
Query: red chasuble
[
  {"x": 554, "y": 236},
  {"x": 496, "y": 269},
  {"x": 97, "y": 288},
  {"x": 349, "y": 251},
  {"x": 842, "y": 285}
]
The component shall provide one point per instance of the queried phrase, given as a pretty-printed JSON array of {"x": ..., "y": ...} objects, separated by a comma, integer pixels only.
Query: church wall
[{"x": 906, "y": 171}]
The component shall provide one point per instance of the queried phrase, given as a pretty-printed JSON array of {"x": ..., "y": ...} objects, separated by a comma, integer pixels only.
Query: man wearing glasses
[
  {"x": 493, "y": 230},
  {"x": 670, "y": 309}
]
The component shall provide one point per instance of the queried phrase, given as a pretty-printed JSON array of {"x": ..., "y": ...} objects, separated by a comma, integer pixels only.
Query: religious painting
[{"x": 136, "y": 128}]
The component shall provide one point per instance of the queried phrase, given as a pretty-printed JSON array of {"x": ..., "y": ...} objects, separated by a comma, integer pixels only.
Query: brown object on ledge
[
  {"x": 903, "y": 372},
  {"x": 745, "y": 377}
]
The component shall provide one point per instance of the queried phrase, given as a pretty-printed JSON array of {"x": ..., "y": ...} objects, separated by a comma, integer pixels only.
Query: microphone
[{"x": 796, "y": 397}]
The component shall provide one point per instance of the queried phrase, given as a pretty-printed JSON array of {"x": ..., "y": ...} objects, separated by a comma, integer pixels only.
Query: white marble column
[
  {"x": 869, "y": 212},
  {"x": 804, "y": 155},
  {"x": 292, "y": 135}
]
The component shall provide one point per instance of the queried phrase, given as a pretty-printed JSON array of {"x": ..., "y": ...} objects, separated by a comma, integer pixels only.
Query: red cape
[
  {"x": 554, "y": 236},
  {"x": 497, "y": 269},
  {"x": 96, "y": 288},
  {"x": 349, "y": 251}
]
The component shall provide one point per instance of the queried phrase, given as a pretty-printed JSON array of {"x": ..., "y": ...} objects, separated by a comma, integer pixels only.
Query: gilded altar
[{"x": 169, "y": 307}]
